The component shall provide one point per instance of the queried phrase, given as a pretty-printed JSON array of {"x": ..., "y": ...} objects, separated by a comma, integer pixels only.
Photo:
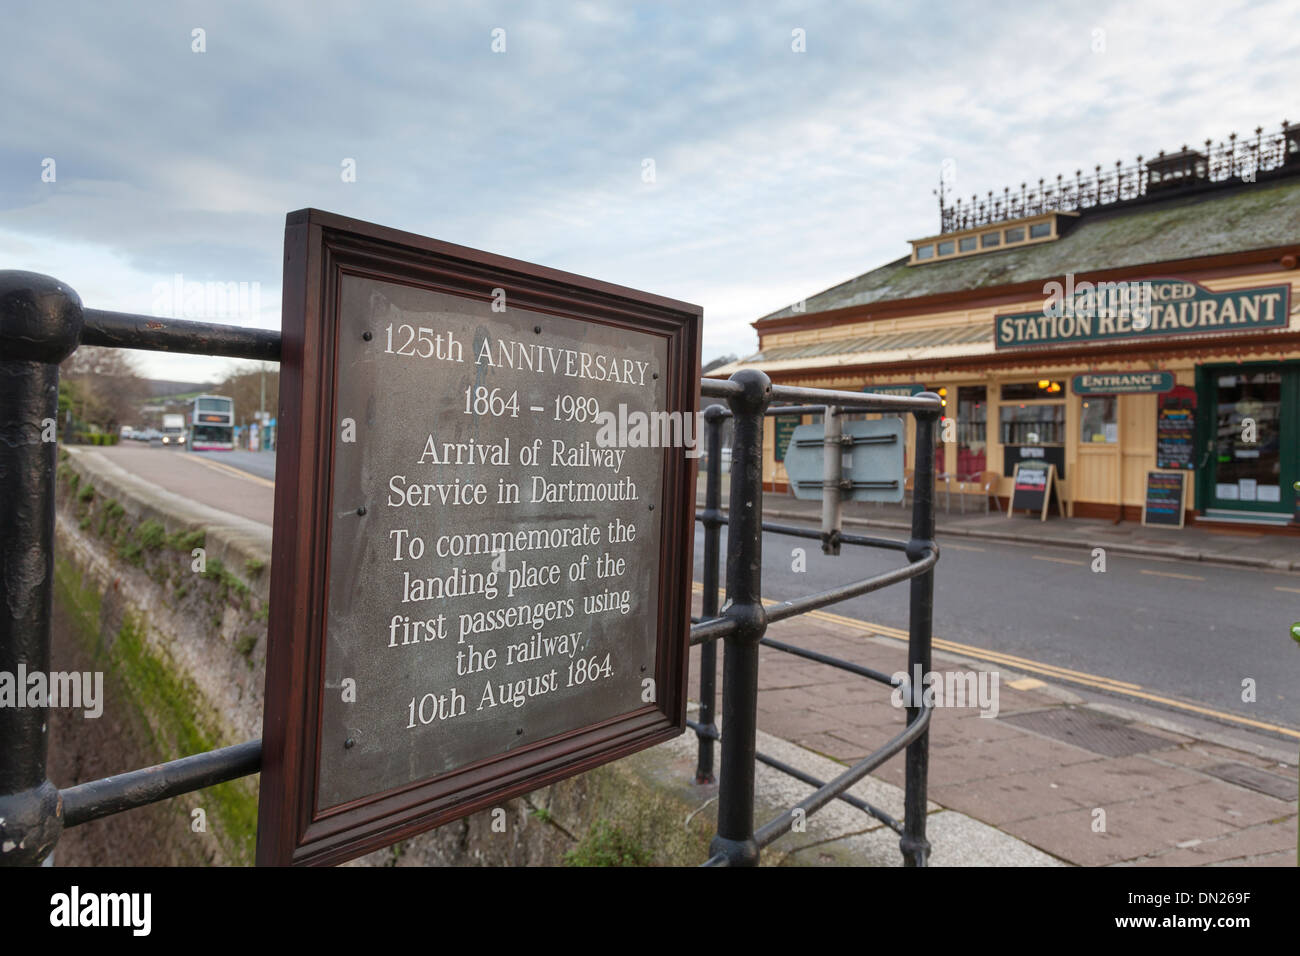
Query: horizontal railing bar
[
  {"x": 795, "y": 410},
  {"x": 719, "y": 388},
  {"x": 812, "y": 602},
  {"x": 821, "y": 658},
  {"x": 821, "y": 397},
  {"x": 126, "y": 330},
  {"x": 778, "y": 826},
  {"x": 862, "y": 540},
  {"x": 127, "y": 791},
  {"x": 797, "y": 531},
  {"x": 719, "y": 627},
  {"x": 848, "y": 798},
  {"x": 701, "y": 730}
]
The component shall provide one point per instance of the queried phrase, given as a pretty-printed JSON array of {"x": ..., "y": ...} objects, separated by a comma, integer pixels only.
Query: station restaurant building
[{"x": 1140, "y": 319}]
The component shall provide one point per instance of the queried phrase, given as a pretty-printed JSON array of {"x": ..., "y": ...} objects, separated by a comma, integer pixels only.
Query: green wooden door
[{"x": 1251, "y": 437}]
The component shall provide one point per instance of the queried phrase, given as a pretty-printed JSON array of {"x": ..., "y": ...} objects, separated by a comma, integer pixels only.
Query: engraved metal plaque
[
  {"x": 477, "y": 603},
  {"x": 481, "y": 559}
]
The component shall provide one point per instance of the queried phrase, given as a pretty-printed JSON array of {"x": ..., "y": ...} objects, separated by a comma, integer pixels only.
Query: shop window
[
  {"x": 1099, "y": 421},
  {"x": 1038, "y": 424},
  {"x": 1040, "y": 230},
  {"x": 972, "y": 431},
  {"x": 1031, "y": 391}
]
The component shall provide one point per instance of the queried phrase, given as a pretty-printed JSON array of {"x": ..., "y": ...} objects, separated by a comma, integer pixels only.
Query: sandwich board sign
[
  {"x": 481, "y": 577},
  {"x": 1034, "y": 488},
  {"x": 1163, "y": 498}
]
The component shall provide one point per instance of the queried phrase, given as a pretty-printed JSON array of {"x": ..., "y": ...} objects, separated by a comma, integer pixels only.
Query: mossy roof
[{"x": 1252, "y": 216}]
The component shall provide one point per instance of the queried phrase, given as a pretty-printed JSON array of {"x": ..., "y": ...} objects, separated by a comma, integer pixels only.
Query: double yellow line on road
[
  {"x": 256, "y": 479},
  {"x": 1015, "y": 662}
]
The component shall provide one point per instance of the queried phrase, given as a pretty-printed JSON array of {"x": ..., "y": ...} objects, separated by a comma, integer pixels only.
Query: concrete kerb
[
  {"x": 236, "y": 541},
  {"x": 1118, "y": 547}
]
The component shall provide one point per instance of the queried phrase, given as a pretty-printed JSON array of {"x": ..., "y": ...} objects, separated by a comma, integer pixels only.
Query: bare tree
[{"x": 103, "y": 387}]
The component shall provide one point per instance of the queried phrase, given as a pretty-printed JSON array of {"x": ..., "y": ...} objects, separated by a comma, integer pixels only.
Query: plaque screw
[
  {"x": 366, "y": 335},
  {"x": 654, "y": 374},
  {"x": 537, "y": 329},
  {"x": 519, "y": 732},
  {"x": 349, "y": 743},
  {"x": 361, "y": 510},
  {"x": 642, "y": 668},
  {"x": 652, "y": 507}
]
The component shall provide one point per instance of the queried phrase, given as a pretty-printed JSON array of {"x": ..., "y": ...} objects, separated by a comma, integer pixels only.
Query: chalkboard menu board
[
  {"x": 481, "y": 570},
  {"x": 784, "y": 426},
  {"x": 1034, "y": 488},
  {"x": 1176, "y": 428},
  {"x": 1163, "y": 501}
]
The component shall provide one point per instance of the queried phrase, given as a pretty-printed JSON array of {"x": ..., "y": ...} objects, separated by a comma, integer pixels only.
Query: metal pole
[
  {"x": 735, "y": 839},
  {"x": 832, "y": 472},
  {"x": 712, "y": 520},
  {"x": 914, "y": 846},
  {"x": 40, "y": 326}
]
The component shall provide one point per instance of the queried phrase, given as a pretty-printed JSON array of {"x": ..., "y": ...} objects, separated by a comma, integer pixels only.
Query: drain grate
[
  {"x": 1088, "y": 730},
  {"x": 1252, "y": 778}
]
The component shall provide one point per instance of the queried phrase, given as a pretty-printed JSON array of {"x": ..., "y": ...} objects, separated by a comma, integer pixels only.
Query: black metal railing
[
  {"x": 1239, "y": 158},
  {"x": 743, "y": 621},
  {"x": 42, "y": 322}
]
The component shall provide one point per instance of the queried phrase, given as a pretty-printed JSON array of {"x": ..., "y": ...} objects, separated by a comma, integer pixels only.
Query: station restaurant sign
[
  {"x": 1148, "y": 308},
  {"x": 473, "y": 593}
]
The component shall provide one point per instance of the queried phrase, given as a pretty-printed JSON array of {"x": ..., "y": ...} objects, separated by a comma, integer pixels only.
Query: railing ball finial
[{"x": 40, "y": 318}]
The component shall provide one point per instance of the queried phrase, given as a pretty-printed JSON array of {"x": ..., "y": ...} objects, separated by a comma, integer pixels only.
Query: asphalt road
[
  {"x": 1188, "y": 631},
  {"x": 205, "y": 478},
  {"x": 259, "y": 463}
]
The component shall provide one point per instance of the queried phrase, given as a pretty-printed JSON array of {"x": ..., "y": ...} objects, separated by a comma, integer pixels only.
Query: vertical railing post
[
  {"x": 735, "y": 839},
  {"x": 712, "y": 521},
  {"x": 832, "y": 473},
  {"x": 914, "y": 846},
  {"x": 40, "y": 326}
]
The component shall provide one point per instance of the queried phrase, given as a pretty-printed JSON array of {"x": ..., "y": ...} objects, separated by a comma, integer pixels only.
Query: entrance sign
[
  {"x": 1122, "y": 383},
  {"x": 1176, "y": 428},
  {"x": 1147, "y": 308},
  {"x": 481, "y": 571},
  {"x": 1163, "y": 501},
  {"x": 1034, "y": 488}
]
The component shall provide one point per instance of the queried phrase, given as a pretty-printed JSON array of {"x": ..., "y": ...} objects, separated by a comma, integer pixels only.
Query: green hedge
[{"x": 95, "y": 438}]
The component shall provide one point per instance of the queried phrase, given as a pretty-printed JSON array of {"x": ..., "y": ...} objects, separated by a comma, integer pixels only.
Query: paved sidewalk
[
  {"x": 1051, "y": 770},
  {"x": 1244, "y": 547}
]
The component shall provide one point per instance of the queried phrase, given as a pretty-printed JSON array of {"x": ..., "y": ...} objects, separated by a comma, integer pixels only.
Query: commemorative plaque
[{"x": 481, "y": 557}]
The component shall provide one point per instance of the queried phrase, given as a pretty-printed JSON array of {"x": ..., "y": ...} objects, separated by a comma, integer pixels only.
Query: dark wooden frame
[{"x": 319, "y": 248}]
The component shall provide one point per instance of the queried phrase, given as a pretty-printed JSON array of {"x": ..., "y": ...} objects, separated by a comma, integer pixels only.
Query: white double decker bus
[{"x": 212, "y": 424}]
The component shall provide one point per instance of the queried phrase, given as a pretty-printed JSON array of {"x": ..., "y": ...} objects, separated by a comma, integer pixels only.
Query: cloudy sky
[{"x": 776, "y": 173}]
